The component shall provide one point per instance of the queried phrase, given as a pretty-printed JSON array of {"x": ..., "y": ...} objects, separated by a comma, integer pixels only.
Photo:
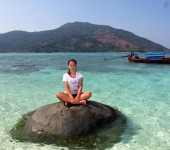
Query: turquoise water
[{"x": 140, "y": 91}]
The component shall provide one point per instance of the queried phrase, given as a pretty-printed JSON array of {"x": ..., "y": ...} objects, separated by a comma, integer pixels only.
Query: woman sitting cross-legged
[{"x": 73, "y": 84}]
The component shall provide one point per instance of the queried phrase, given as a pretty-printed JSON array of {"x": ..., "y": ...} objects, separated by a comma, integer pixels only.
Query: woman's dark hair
[{"x": 69, "y": 63}]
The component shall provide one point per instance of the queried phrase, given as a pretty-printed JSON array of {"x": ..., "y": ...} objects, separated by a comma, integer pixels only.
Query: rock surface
[{"x": 74, "y": 120}]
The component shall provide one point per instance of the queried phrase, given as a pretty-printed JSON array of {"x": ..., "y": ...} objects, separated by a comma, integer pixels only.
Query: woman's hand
[
  {"x": 73, "y": 101},
  {"x": 76, "y": 99}
]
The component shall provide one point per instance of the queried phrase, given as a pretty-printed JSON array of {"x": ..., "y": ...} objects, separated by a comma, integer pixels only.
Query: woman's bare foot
[{"x": 83, "y": 102}]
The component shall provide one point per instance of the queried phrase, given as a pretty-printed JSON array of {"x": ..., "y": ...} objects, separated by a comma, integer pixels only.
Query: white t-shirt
[{"x": 72, "y": 82}]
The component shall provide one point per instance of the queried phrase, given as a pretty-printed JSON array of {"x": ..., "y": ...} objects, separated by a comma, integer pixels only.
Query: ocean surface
[{"x": 140, "y": 91}]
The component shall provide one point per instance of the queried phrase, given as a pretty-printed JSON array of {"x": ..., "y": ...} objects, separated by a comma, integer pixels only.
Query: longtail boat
[{"x": 151, "y": 57}]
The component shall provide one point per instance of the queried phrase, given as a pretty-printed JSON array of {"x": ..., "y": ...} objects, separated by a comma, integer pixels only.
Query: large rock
[{"x": 70, "y": 121}]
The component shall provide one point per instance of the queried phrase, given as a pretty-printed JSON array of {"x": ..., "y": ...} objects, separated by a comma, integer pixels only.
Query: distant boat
[
  {"x": 48, "y": 51},
  {"x": 151, "y": 57}
]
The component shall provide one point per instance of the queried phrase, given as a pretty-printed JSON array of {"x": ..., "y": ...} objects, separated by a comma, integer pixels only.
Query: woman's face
[{"x": 72, "y": 66}]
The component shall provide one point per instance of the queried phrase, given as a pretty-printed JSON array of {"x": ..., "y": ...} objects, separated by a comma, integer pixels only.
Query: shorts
[{"x": 74, "y": 95}]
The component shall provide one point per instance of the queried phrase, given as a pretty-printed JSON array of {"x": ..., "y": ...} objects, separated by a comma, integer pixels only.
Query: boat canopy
[{"x": 154, "y": 55}]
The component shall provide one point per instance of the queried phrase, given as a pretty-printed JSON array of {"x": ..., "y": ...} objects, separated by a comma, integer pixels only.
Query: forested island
[{"x": 76, "y": 37}]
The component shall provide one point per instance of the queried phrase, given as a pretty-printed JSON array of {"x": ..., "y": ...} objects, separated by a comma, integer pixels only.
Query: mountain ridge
[{"x": 76, "y": 37}]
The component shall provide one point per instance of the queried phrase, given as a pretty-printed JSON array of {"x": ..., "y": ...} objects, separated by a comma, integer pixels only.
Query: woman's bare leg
[
  {"x": 85, "y": 96},
  {"x": 65, "y": 98}
]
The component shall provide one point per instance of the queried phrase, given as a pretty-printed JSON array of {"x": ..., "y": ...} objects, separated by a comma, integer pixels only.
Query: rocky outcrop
[
  {"x": 57, "y": 125},
  {"x": 71, "y": 121}
]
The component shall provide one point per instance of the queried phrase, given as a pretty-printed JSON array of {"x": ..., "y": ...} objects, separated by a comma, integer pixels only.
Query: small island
[{"x": 76, "y": 37}]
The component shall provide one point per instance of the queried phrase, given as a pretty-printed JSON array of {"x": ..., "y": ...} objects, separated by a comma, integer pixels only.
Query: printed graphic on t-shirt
[{"x": 74, "y": 86}]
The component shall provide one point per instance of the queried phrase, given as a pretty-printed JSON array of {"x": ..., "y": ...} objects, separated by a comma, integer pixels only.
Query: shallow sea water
[{"x": 140, "y": 91}]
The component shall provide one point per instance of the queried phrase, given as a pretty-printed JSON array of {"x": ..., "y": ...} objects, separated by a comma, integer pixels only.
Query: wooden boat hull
[{"x": 143, "y": 60}]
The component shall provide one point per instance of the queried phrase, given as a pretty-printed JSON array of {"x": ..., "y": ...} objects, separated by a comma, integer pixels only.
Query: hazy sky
[{"x": 146, "y": 18}]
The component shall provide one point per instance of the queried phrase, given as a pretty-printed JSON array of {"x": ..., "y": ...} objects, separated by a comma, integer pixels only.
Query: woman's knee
[
  {"x": 89, "y": 93},
  {"x": 58, "y": 94}
]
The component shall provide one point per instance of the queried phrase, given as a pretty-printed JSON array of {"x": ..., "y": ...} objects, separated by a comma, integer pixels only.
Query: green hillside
[{"x": 76, "y": 37}]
